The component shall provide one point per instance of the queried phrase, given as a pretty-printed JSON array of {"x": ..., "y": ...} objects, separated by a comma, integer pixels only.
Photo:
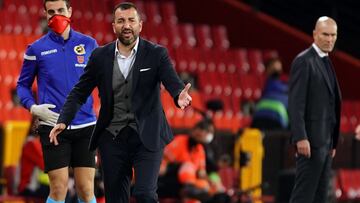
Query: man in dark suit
[
  {"x": 132, "y": 130},
  {"x": 314, "y": 109}
]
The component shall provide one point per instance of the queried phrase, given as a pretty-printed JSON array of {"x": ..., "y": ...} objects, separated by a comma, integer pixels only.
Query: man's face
[
  {"x": 202, "y": 135},
  {"x": 325, "y": 35},
  {"x": 275, "y": 68},
  {"x": 57, "y": 7},
  {"x": 127, "y": 26}
]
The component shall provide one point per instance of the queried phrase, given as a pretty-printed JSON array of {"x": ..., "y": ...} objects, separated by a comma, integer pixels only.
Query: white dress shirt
[{"x": 125, "y": 63}]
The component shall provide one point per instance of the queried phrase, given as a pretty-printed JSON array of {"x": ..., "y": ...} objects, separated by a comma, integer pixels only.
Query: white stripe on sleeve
[{"x": 31, "y": 58}]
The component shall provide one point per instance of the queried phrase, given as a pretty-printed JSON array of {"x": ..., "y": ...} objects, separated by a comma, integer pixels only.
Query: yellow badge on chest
[{"x": 80, "y": 49}]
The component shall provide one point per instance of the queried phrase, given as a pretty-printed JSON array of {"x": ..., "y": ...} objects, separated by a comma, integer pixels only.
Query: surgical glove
[{"x": 44, "y": 113}]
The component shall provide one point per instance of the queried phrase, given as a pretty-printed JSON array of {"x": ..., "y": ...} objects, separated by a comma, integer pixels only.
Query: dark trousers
[
  {"x": 312, "y": 177},
  {"x": 118, "y": 155},
  {"x": 266, "y": 124}
]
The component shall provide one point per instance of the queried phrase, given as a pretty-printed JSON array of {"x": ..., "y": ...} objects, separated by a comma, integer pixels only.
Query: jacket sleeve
[
  {"x": 169, "y": 77},
  {"x": 95, "y": 45},
  {"x": 26, "y": 79},
  {"x": 80, "y": 92},
  {"x": 298, "y": 86}
]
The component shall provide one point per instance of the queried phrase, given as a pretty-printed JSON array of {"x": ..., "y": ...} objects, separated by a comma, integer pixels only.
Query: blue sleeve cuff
[{"x": 29, "y": 104}]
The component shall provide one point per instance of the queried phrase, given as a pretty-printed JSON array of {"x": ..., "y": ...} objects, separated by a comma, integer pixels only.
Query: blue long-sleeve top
[{"x": 57, "y": 65}]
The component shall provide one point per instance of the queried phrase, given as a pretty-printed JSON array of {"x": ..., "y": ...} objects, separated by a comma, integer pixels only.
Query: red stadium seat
[
  {"x": 187, "y": 35},
  {"x": 2, "y": 20},
  {"x": 238, "y": 122},
  {"x": 349, "y": 184},
  {"x": 236, "y": 92},
  {"x": 19, "y": 113},
  {"x": 240, "y": 59},
  {"x": 187, "y": 60},
  {"x": 350, "y": 116},
  {"x": 168, "y": 13},
  {"x": 9, "y": 23},
  {"x": 152, "y": 12},
  {"x": 157, "y": 33},
  {"x": 191, "y": 117},
  {"x": 97, "y": 104},
  {"x": 219, "y": 120},
  {"x": 197, "y": 101},
  {"x": 255, "y": 61},
  {"x": 355, "y": 119},
  {"x": 103, "y": 7},
  {"x": 268, "y": 54},
  {"x": 203, "y": 37},
  {"x": 23, "y": 21},
  {"x": 141, "y": 8},
  {"x": 220, "y": 37},
  {"x": 172, "y": 32},
  {"x": 251, "y": 87},
  {"x": 168, "y": 105}
]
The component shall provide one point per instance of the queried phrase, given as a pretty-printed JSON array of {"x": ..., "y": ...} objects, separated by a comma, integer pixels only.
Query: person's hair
[
  {"x": 125, "y": 6},
  {"x": 270, "y": 62},
  {"x": 204, "y": 124},
  {"x": 67, "y": 2}
]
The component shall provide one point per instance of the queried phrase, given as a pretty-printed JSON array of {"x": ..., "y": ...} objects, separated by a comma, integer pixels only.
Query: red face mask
[{"x": 58, "y": 23}]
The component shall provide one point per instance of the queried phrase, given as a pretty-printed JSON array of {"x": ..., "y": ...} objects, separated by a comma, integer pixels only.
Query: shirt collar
[
  {"x": 133, "y": 51},
  {"x": 318, "y": 51},
  {"x": 59, "y": 38}
]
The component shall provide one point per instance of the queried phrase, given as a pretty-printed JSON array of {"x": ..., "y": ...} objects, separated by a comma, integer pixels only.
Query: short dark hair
[
  {"x": 271, "y": 61},
  {"x": 204, "y": 124},
  {"x": 125, "y": 6},
  {"x": 67, "y": 2}
]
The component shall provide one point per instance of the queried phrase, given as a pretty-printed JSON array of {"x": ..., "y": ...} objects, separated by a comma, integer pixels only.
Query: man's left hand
[
  {"x": 185, "y": 99},
  {"x": 57, "y": 129},
  {"x": 332, "y": 153}
]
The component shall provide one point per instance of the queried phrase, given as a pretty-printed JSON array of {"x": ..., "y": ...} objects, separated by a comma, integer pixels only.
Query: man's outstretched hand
[
  {"x": 184, "y": 99},
  {"x": 357, "y": 132},
  {"x": 57, "y": 129}
]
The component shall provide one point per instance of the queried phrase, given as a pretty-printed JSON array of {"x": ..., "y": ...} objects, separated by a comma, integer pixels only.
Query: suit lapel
[
  {"x": 109, "y": 65},
  {"x": 324, "y": 73},
  {"x": 140, "y": 55},
  {"x": 336, "y": 82}
]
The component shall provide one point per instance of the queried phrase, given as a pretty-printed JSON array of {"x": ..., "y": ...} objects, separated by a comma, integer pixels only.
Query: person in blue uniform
[{"x": 57, "y": 61}]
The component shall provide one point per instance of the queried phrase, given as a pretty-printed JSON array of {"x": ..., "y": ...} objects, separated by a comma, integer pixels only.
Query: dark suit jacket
[
  {"x": 156, "y": 67},
  {"x": 311, "y": 104}
]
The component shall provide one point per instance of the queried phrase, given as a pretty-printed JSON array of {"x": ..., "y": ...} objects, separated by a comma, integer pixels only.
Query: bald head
[
  {"x": 324, "y": 21},
  {"x": 325, "y": 33}
]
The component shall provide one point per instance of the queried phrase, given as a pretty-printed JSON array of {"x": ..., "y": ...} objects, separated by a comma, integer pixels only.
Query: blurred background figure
[
  {"x": 227, "y": 172},
  {"x": 271, "y": 110},
  {"x": 33, "y": 181},
  {"x": 184, "y": 168}
]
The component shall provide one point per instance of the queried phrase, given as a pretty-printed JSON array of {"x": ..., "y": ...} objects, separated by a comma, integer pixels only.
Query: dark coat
[{"x": 152, "y": 67}]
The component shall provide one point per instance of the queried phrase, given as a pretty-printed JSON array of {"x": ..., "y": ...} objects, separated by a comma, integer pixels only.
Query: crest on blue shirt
[
  {"x": 80, "y": 49},
  {"x": 80, "y": 59}
]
